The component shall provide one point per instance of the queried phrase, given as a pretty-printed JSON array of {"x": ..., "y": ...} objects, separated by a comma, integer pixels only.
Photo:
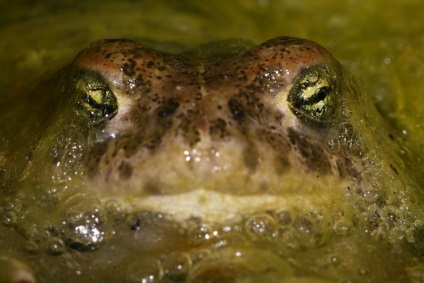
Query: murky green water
[{"x": 380, "y": 42}]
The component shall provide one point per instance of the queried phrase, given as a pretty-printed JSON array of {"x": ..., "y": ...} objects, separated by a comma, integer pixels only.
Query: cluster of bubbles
[
  {"x": 37, "y": 234},
  {"x": 79, "y": 223},
  {"x": 85, "y": 226},
  {"x": 256, "y": 247},
  {"x": 221, "y": 251},
  {"x": 173, "y": 267},
  {"x": 293, "y": 230},
  {"x": 230, "y": 264},
  {"x": 251, "y": 248},
  {"x": 389, "y": 209}
]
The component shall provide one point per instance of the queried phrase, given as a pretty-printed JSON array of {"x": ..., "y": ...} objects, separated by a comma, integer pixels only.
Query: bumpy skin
[
  {"x": 149, "y": 124},
  {"x": 276, "y": 135},
  {"x": 281, "y": 121},
  {"x": 185, "y": 124}
]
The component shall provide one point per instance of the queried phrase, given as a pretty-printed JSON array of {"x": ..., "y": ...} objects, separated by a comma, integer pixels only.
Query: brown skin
[{"x": 233, "y": 114}]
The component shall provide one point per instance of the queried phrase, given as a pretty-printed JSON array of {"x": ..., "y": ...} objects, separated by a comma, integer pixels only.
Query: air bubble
[
  {"x": 304, "y": 226},
  {"x": 302, "y": 233},
  {"x": 31, "y": 229},
  {"x": 203, "y": 232},
  {"x": 288, "y": 238},
  {"x": 147, "y": 270},
  {"x": 9, "y": 218},
  {"x": 261, "y": 225},
  {"x": 390, "y": 215},
  {"x": 335, "y": 261},
  {"x": 343, "y": 226},
  {"x": 56, "y": 246},
  {"x": 220, "y": 236},
  {"x": 283, "y": 217},
  {"x": 363, "y": 271},
  {"x": 371, "y": 197},
  {"x": 176, "y": 265},
  {"x": 10, "y": 212},
  {"x": 85, "y": 224},
  {"x": 114, "y": 209},
  {"x": 15, "y": 206},
  {"x": 305, "y": 234},
  {"x": 199, "y": 255}
]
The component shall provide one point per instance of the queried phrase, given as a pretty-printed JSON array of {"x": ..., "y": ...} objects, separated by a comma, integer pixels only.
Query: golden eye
[
  {"x": 96, "y": 98},
  {"x": 314, "y": 96}
]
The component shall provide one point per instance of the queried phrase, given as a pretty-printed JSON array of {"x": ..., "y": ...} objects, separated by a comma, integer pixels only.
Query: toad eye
[
  {"x": 97, "y": 98},
  {"x": 314, "y": 97}
]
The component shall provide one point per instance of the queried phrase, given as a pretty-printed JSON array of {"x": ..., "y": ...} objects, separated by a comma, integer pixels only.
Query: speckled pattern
[
  {"x": 192, "y": 156},
  {"x": 234, "y": 106}
]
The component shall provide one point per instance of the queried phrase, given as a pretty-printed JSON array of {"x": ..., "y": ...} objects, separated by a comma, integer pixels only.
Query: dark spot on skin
[
  {"x": 280, "y": 145},
  {"x": 394, "y": 169},
  {"x": 130, "y": 144},
  {"x": 346, "y": 168},
  {"x": 135, "y": 224},
  {"x": 95, "y": 157},
  {"x": 187, "y": 127},
  {"x": 169, "y": 108},
  {"x": 251, "y": 156},
  {"x": 198, "y": 96},
  {"x": 152, "y": 188},
  {"x": 150, "y": 64},
  {"x": 125, "y": 170},
  {"x": 152, "y": 143},
  {"x": 218, "y": 129},
  {"x": 142, "y": 86},
  {"x": 279, "y": 116},
  {"x": 129, "y": 67},
  {"x": 236, "y": 109},
  {"x": 313, "y": 155}
]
